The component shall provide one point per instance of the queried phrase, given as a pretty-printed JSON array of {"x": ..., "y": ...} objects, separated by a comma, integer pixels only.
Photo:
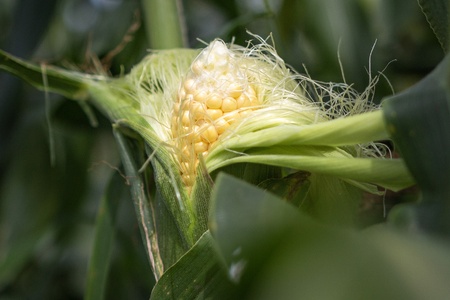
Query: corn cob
[
  {"x": 213, "y": 96},
  {"x": 229, "y": 102}
]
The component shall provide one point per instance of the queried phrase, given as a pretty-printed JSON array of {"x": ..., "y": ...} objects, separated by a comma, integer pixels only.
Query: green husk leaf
[
  {"x": 200, "y": 196},
  {"x": 388, "y": 173},
  {"x": 177, "y": 203},
  {"x": 357, "y": 129},
  {"x": 141, "y": 203},
  {"x": 199, "y": 274}
]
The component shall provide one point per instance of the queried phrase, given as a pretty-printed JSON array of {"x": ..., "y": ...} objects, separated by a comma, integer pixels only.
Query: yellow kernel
[
  {"x": 176, "y": 109},
  {"x": 200, "y": 147},
  {"x": 189, "y": 85},
  {"x": 214, "y": 114},
  {"x": 229, "y": 104},
  {"x": 201, "y": 96},
  {"x": 186, "y": 118},
  {"x": 186, "y": 130},
  {"x": 221, "y": 125},
  {"x": 243, "y": 101},
  {"x": 182, "y": 94},
  {"x": 198, "y": 110},
  {"x": 194, "y": 134},
  {"x": 196, "y": 137},
  {"x": 188, "y": 98},
  {"x": 197, "y": 67},
  {"x": 231, "y": 117},
  {"x": 209, "y": 134},
  {"x": 214, "y": 101},
  {"x": 235, "y": 90}
]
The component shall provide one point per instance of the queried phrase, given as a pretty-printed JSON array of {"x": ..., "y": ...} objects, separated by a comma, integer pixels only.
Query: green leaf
[
  {"x": 318, "y": 263},
  {"x": 275, "y": 252},
  {"x": 40, "y": 204},
  {"x": 17, "y": 253},
  {"x": 418, "y": 120},
  {"x": 199, "y": 274},
  {"x": 436, "y": 12},
  {"x": 71, "y": 84},
  {"x": 104, "y": 239},
  {"x": 246, "y": 222}
]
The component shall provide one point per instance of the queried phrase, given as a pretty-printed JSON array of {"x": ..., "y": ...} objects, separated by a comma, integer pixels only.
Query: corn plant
[{"x": 246, "y": 175}]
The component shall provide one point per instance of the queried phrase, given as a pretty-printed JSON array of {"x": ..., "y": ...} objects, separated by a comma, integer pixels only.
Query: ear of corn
[{"x": 235, "y": 103}]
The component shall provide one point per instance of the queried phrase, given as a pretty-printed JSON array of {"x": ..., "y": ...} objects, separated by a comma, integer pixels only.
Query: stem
[{"x": 164, "y": 23}]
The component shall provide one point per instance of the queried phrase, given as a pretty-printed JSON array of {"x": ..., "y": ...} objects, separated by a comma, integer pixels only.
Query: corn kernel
[
  {"x": 186, "y": 118},
  {"x": 197, "y": 67},
  {"x": 231, "y": 117},
  {"x": 214, "y": 101},
  {"x": 229, "y": 104},
  {"x": 214, "y": 114},
  {"x": 194, "y": 135},
  {"x": 235, "y": 90},
  {"x": 221, "y": 125},
  {"x": 200, "y": 147},
  {"x": 181, "y": 94},
  {"x": 189, "y": 85},
  {"x": 201, "y": 96},
  {"x": 198, "y": 110},
  {"x": 243, "y": 101},
  {"x": 209, "y": 134}
]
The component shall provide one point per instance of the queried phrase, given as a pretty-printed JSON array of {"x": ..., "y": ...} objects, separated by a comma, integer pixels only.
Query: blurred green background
[{"x": 54, "y": 165}]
